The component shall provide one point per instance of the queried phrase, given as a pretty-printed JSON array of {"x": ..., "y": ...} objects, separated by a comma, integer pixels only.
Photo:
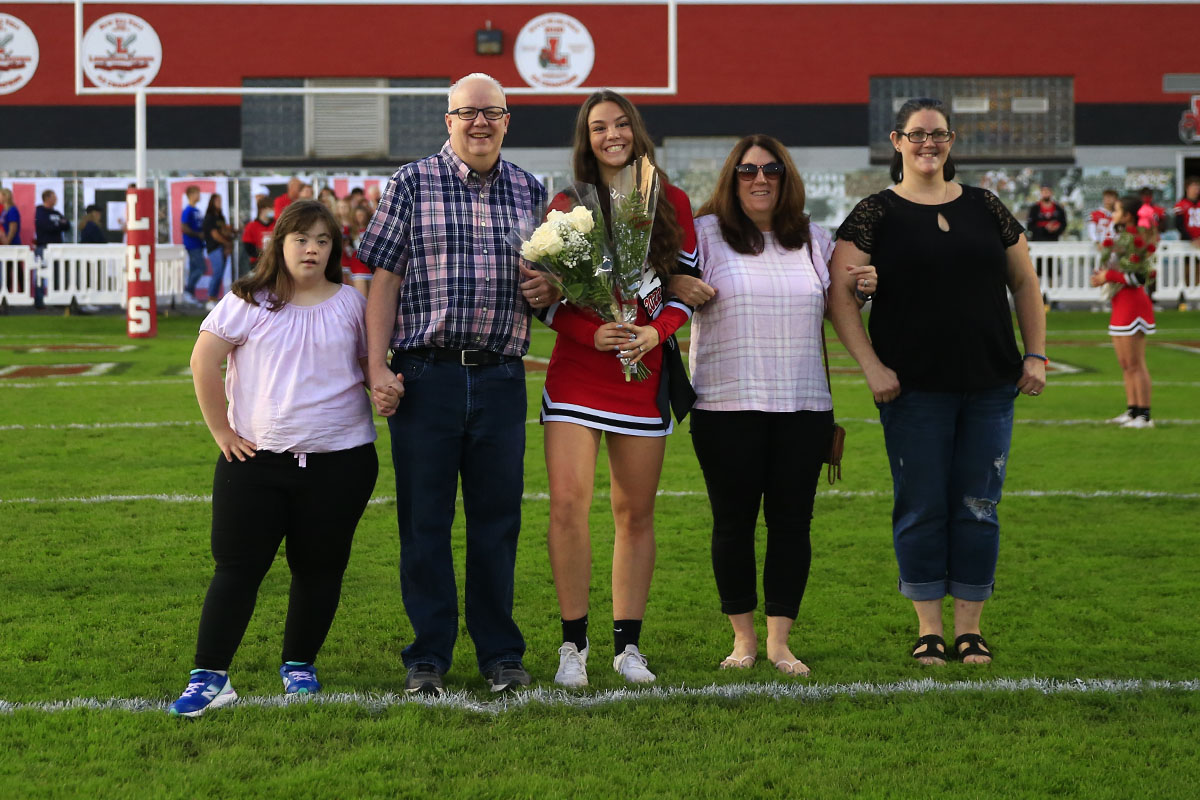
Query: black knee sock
[
  {"x": 625, "y": 632},
  {"x": 575, "y": 631},
  {"x": 1140, "y": 411}
]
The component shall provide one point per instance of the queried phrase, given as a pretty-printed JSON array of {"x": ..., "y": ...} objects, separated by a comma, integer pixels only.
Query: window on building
[
  {"x": 336, "y": 127},
  {"x": 997, "y": 118}
]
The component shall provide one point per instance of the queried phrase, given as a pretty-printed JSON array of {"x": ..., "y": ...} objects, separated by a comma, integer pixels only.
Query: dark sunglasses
[{"x": 772, "y": 172}]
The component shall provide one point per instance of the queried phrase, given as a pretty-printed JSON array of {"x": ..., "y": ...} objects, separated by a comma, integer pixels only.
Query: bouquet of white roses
[{"x": 573, "y": 251}]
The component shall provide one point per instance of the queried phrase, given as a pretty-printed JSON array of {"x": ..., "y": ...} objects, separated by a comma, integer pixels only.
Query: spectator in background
[
  {"x": 191, "y": 222},
  {"x": 1187, "y": 222},
  {"x": 91, "y": 232},
  {"x": 293, "y": 191},
  {"x": 1099, "y": 224},
  {"x": 372, "y": 195},
  {"x": 357, "y": 273},
  {"x": 49, "y": 225},
  {"x": 218, "y": 241},
  {"x": 328, "y": 198},
  {"x": 10, "y": 219},
  {"x": 1047, "y": 219},
  {"x": 357, "y": 198},
  {"x": 1150, "y": 215},
  {"x": 306, "y": 192},
  {"x": 257, "y": 234}
]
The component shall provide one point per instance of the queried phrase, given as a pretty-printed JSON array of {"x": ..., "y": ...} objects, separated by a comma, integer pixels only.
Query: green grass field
[{"x": 1095, "y": 691}]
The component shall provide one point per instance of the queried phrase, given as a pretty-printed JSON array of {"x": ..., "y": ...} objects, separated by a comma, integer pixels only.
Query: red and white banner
[
  {"x": 177, "y": 194},
  {"x": 141, "y": 313}
]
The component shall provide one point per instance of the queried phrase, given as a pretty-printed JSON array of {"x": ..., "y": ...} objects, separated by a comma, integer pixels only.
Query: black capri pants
[
  {"x": 313, "y": 501},
  {"x": 753, "y": 457}
]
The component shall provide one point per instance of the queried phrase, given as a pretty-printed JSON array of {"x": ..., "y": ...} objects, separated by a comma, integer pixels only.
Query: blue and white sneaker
[
  {"x": 299, "y": 678},
  {"x": 205, "y": 690}
]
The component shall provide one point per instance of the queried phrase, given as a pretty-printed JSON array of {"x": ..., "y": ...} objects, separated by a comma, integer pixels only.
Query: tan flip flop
[
  {"x": 795, "y": 668},
  {"x": 731, "y": 662}
]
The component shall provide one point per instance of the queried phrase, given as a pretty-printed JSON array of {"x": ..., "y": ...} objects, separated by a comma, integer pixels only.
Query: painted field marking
[
  {"x": 1035, "y": 494},
  {"x": 78, "y": 347},
  {"x": 1183, "y": 348},
  {"x": 56, "y": 370},
  {"x": 463, "y": 700},
  {"x": 111, "y": 382}
]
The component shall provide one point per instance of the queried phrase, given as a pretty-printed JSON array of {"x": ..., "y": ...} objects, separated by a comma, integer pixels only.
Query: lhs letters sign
[{"x": 141, "y": 311}]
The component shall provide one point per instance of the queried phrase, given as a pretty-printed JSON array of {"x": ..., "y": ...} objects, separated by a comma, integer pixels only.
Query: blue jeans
[
  {"x": 469, "y": 421},
  {"x": 196, "y": 267},
  {"x": 216, "y": 258},
  {"x": 948, "y": 452}
]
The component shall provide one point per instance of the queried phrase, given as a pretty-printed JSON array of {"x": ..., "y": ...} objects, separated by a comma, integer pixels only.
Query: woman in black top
[
  {"x": 943, "y": 366},
  {"x": 218, "y": 241}
]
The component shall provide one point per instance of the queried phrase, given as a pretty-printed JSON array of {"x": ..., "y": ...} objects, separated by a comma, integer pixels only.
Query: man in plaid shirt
[{"x": 452, "y": 300}]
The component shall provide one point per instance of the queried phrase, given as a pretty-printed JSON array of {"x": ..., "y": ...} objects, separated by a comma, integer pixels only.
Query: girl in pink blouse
[{"x": 297, "y": 447}]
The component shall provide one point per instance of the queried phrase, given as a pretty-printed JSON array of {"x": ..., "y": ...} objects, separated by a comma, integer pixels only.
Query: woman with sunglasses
[
  {"x": 586, "y": 397},
  {"x": 763, "y": 416},
  {"x": 943, "y": 367}
]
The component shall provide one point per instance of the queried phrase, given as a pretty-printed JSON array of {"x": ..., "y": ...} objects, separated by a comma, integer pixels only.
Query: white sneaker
[
  {"x": 210, "y": 305},
  {"x": 1138, "y": 422},
  {"x": 631, "y": 665},
  {"x": 1120, "y": 419},
  {"x": 572, "y": 666}
]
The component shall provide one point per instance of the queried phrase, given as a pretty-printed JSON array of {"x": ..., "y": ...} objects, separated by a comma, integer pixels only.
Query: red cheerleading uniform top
[
  {"x": 1189, "y": 213},
  {"x": 587, "y": 386}
]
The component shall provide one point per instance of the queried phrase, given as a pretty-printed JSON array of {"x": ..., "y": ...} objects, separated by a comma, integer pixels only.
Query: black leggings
[
  {"x": 775, "y": 458},
  {"x": 256, "y": 505}
]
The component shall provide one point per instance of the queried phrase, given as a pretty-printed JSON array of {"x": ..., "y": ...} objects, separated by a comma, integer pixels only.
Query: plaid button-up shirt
[{"x": 440, "y": 226}]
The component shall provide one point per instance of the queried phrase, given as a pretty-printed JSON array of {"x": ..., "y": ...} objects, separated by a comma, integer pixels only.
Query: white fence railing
[
  {"x": 16, "y": 275},
  {"x": 1064, "y": 269},
  {"x": 89, "y": 274},
  {"x": 94, "y": 274}
]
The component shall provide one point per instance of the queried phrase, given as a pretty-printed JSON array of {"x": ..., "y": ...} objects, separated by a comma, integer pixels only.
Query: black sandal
[
  {"x": 930, "y": 643},
  {"x": 975, "y": 646}
]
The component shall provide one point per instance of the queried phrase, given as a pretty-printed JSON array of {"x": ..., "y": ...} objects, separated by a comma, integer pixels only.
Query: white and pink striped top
[{"x": 756, "y": 346}]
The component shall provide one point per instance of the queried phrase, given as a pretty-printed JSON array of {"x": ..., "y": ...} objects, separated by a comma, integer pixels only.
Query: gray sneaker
[
  {"x": 424, "y": 679},
  {"x": 508, "y": 675}
]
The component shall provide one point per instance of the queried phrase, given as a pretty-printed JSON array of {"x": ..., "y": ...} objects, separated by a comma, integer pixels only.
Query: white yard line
[
  {"x": 379, "y": 422},
  {"x": 462, "y": 700},
  {"x": 1035, "y": 494}
]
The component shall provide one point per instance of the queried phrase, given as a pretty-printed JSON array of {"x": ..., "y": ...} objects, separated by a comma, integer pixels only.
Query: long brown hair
[
  {"x": 789, "y": 223},
  {"x": 270, "y": 273},
  {"x": 666, "y": 236}
]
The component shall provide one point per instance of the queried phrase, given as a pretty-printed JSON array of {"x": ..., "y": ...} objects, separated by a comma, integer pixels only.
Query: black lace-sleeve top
[{"x": 940, "y": 317}]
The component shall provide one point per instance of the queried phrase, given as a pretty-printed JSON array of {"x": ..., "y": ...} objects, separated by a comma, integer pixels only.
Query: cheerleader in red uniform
[
  {"x": 587, "y": 397},
  {"x": 1132, "y": 319}
]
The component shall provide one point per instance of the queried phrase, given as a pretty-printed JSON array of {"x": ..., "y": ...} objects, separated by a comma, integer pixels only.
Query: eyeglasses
[
  {"x": 772, "y": 172},
  {"x": 919, "y": 137},
  {"x": 469, "y": 113}
]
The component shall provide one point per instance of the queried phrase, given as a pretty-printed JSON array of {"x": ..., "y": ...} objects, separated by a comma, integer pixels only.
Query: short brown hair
[
  {"x": 789, "y": 223},
  {"x": 270, "y": 273}
]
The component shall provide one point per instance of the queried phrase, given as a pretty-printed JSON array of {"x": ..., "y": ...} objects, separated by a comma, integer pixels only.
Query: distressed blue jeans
[
  {"x": 459, "y": 422},
  {"x": 948, "y": 452}
]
